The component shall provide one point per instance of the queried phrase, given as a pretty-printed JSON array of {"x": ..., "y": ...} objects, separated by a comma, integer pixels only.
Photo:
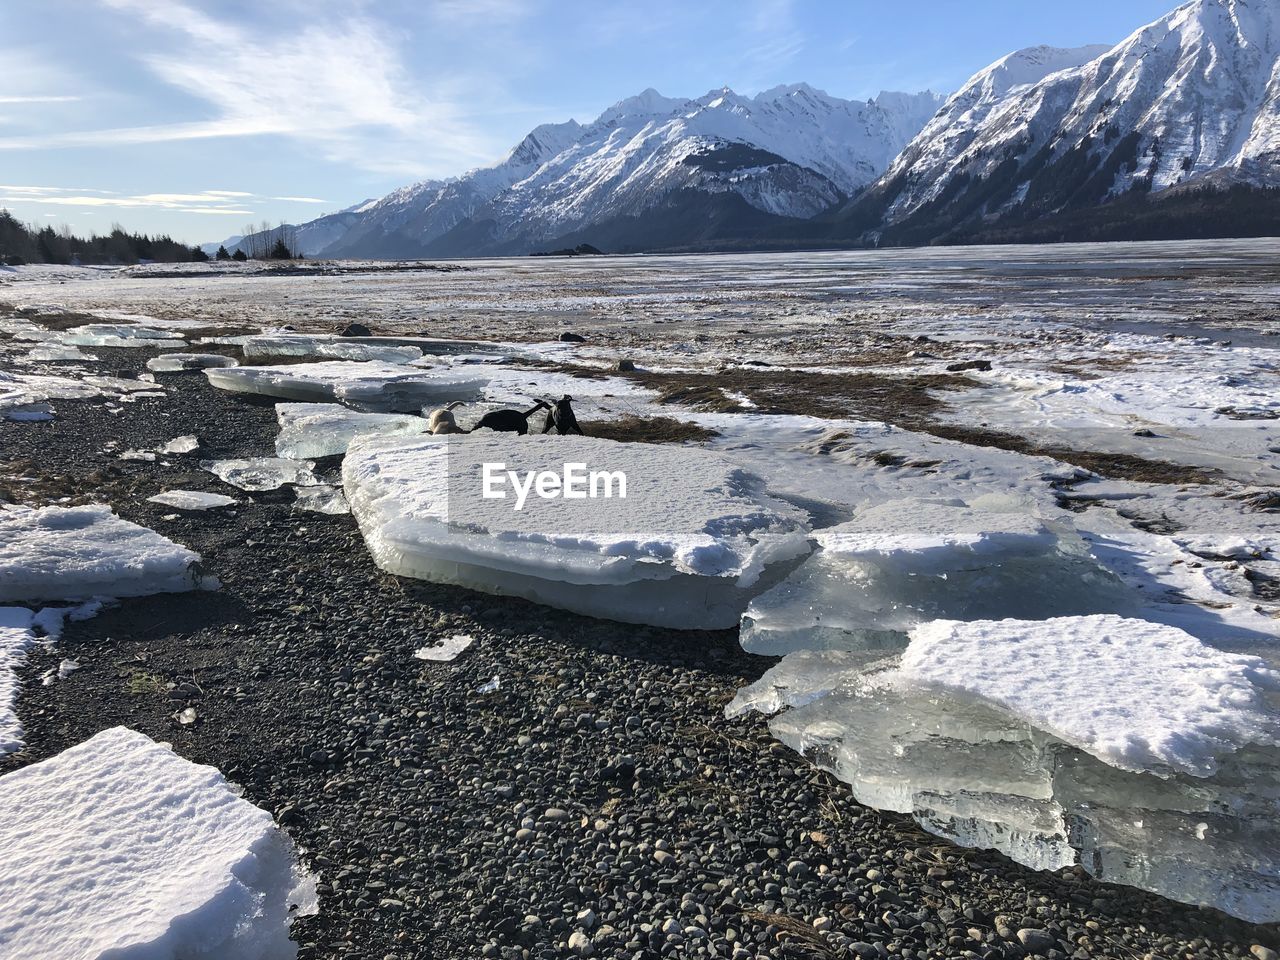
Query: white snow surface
[
  {"x": 1137, "y": 695},
  {"x": 687, "y": 546},
  {"x": 119, "y": 848},
  {"x": 16, "y": 637},
  {"x": 367, "y": 385},
  {"x": 76, "y": 553}
]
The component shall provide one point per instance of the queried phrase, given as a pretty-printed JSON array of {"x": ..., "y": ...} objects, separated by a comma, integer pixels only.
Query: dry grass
[{"x": 631, "y": 429}]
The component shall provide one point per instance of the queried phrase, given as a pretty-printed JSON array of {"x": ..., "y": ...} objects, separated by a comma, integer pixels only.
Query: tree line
[{"x": 22, "y": 243}]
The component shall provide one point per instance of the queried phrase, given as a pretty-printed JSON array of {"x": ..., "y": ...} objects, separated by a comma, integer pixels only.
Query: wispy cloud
[
  {"x": 213, "y": 202},
  {"x": 300, "y": 199},
  {"x": 339, "y": 84},
  {"x": 38, "y": 99}
]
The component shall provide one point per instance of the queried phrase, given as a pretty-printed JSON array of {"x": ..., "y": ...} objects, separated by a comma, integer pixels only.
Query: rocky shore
[{"x": 596, "y": 803}]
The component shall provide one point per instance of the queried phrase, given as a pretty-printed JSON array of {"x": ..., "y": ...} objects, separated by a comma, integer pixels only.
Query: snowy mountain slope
[
  {"x": 790, "y": 152},
  {"x": 1192, "y": 98}
]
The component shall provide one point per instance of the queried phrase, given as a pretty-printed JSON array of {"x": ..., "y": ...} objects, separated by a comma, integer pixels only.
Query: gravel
[{"x": 595, "y": 804}]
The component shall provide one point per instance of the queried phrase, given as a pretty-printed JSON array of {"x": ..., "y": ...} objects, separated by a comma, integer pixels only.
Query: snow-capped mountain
[
  {"x": 1192, "y": 98},
  {"x": 790, "y": 152}
]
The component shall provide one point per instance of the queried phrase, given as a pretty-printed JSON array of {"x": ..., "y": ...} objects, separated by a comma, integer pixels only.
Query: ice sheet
[
  {"x": 262, "y": 473},
  {"x": 180, "y": 362},
  {"x": 367, "y": 386},
  {"x": 688, "y": 546},
  {"x": 331, "y": 348},
  {"x": 326, "y": 429}
]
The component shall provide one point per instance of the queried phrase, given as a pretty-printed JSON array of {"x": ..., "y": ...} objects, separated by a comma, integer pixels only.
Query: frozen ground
[{"x": 1117, "y": 459}]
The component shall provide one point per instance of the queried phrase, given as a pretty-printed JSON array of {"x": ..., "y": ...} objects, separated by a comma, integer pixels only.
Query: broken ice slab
[
  {"x": 328, "y": 347},
  {"x": 120, "y": 335},
  {"x": 16, "y": 638},
  {"x": 262, "y": 473},
  {"x": 326, "y": 429},
  {"x": 75, "y": 553},
  {"x": 321, "y": 499},
  {"x": 366, "y": 386},
  {"x": 692, "y": 541},
  {"x": 1124, "y": 746},
  {"x": 447, "y": 649},
  {"x": 180, "y": 362},
  {"x": 906, "y": 562},
  {"x": 191, "y": 499},
  {"x": 118, "y": 847},
  {"x": 187, "y": 443},
  {"x": 56, "y": 353},
  {"x": 23, "y": 394}
]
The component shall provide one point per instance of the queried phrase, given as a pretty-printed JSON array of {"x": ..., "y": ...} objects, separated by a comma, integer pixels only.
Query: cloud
[
  {"x": 39, "y": 99},
  {"x": 336, "y": 83},
  {"x": 300, "y": 199},
  {"x": 213, "y": 202}
]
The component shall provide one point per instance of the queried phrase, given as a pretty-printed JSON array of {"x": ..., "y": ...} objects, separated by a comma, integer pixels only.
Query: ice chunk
[
  {"x": 179, "y": 362},
  {"x": 73, "y": 553},
  {"x": 262, "y": 473},
  {"x": 16, "y": 637},
  {"x": 121, "y": 335},
  {"x": 1140, "y": 696},
  {"x": 326, "y": 429},
  {"x": 332, "y": 348},
  {"x": 694, "y": 538},
  {"x": 367, "y": 386},
  {"x": 321, "y": 499},
  {"x": 28, "y": 393},
  {"x": 56, "y": 353},
  {"x": 907, "y": 562},
  {"x": 188, "y": 443},
  {"x": 970, "y": 734},
  {"x": 118, "y": 847},
  {"x": 191, "y": 499},
  {"x": 447, "y": 649}
]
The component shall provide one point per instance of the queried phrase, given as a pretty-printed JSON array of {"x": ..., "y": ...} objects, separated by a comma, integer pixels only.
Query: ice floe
[
  {"x": 329, "y": 348},
  {"x": 692, "y": 541},
  {"x": 321, "y": 499},
  {"x": 120, "y": 335},
  {"x": 180, "y": 362},
  {"x": 326, "y": 429},
  {"x": 192, "y": 499},
  {"x": 118, "y": 847},
  {"x": 76, "y": 553},
  {"x": 364, "y": 385},
  {"x": 187, "y": 443},
  {"x": 262, "y": 473},
  {"x": 905, "y": 562}
]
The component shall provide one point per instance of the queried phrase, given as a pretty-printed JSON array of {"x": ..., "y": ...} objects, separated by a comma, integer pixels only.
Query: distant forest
[{"x": 22, "y": 243}]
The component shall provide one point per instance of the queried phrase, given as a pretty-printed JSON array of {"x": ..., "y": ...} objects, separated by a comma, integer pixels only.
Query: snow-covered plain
[{"x": 119, "y": 848}]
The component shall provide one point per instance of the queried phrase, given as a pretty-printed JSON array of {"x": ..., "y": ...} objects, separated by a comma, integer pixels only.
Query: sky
[{"x": 195, "y": 119}]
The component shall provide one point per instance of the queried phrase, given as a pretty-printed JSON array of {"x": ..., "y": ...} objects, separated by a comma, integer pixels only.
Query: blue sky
[{"x": 197, "y": 118}]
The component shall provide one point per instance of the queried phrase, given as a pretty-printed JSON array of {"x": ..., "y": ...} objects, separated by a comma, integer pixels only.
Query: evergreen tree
[
  {"x": 280, "y": 251},
  {"x": 239, "y": 256},
  {"x": 222, "y": 254},
  {"x": 198, "y": 255}
]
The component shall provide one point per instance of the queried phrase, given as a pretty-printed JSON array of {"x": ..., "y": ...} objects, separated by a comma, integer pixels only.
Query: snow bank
[
  {"x": 326, "y": 429},
  {"x": 693, "y": 540},
  {"x": 180, "y": 362},
  {"x": 1137, "y": 695},
  {"x": 70, "y": 553},
  {"x": 191, "y": 499},
  {"x": 120, "y": 848},
  {"x": 368, "y": 386}
]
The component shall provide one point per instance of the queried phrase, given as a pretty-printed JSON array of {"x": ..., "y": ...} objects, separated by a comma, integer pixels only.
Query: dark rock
[
  {"x": 979, "y": 365},
  {"x": 355, "y": 330}
]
